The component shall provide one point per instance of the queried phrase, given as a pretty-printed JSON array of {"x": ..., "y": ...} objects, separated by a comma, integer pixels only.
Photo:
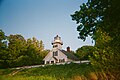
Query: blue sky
[{"x": 43, "y": 19}]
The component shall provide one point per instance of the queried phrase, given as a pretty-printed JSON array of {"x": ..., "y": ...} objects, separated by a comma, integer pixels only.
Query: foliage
[
  {"x": 100, "y": 19},
  {"x": 84, "y": 52},
  {"x": 90, "y": 16},
  {"x": 17, "y": 48},
  {"x": 2, "y": 36},
  {"x": 20, "y": 52},
  {"x": 3, "y": 50}
]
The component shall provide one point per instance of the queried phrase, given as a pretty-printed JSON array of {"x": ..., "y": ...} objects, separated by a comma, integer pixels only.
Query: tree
[
  {"x": 35, "y": 51},
  {"x": 84, "y": 52},
  {"x": 2, "y": 38},
  {"x": 4, "y": 56},
  {"x": 17, "y": 48},
  {"x": 41, "y": 45},
  {"x": 20, "y": 52},
  {"x": 101, "y": 20},
  {"x": 97, "y": 13}
]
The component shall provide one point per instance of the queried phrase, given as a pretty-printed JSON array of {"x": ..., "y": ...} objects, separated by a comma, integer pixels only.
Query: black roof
[{"x": 70, "y": 55}]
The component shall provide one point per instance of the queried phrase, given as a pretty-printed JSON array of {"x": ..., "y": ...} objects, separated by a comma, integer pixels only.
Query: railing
[{"x": 77, "y": 62}]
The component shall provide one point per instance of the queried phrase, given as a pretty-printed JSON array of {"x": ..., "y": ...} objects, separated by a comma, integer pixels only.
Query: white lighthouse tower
[{"x": 57, "y": 42}]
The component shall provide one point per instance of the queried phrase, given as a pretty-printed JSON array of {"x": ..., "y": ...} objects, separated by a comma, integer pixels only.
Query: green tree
[
  {"x": 101, "y": 20},
  {"x": 98, "y": 13},
  {"x": 2, "y": 38},
  {"x": 35, "y": 51},
  {"x": 41, "y": 45},
  {"x": 17, "y": 48},
  {"x": 84, "y": 52},
  {"x": 20, "y": 52},
  {"x": 3, "y": 51}
]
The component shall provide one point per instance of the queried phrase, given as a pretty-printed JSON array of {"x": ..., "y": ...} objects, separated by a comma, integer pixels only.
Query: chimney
[{"x": 68, "y": 49}]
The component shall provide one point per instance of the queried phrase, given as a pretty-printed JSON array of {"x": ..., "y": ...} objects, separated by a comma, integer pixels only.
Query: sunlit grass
[
  {"x": 27, "y": 78},
  {"x": 54, "y": 72}
]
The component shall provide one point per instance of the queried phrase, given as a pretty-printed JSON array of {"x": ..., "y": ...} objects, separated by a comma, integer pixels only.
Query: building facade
[{"x": 57, "y": 54}]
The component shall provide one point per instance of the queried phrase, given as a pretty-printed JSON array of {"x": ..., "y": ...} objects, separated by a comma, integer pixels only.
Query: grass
[{"x": 54, "y": 72}]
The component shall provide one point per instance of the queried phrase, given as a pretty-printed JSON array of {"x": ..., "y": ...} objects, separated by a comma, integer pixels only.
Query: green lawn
[{"x": 53, "y": 72}]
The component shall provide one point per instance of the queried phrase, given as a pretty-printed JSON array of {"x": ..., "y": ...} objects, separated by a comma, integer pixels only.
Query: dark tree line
[{"x": 16, "y": 51}]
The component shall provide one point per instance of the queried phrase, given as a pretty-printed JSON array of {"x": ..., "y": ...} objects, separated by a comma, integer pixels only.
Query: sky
[{"x": 42, "y": 19}]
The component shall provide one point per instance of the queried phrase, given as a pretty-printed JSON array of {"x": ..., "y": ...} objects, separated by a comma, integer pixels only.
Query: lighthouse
[
  {"x": 57, "y": 42},
  {"x": 58, "y": 55}
]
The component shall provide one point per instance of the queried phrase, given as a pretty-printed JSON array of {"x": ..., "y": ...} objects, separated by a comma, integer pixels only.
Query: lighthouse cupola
[{"x": 57, "y": 42}]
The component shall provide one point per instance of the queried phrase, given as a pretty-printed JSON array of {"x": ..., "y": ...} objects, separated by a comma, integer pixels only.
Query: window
[
  {"x": 52, "y": 62},
  {"x": 61, "y": 60},
  {"x": 47, "y": 62},
  {"x": 55, "y": 46},
  {"x": 55, "y": 53}
]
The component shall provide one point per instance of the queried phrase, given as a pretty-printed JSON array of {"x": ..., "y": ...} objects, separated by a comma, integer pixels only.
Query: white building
[{"x": 58, "y": 55}]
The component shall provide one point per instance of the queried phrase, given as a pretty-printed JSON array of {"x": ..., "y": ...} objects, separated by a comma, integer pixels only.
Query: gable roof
[{"x": 70, "y": 55}]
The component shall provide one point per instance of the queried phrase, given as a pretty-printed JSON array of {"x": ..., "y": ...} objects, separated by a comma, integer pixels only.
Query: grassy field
[{"x": 54, "y": 72}]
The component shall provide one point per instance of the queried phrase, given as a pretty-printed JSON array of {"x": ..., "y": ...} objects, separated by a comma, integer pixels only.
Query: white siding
[
  {"x": 48, "y": 57},
  {"x": 60, "y": 56}
]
